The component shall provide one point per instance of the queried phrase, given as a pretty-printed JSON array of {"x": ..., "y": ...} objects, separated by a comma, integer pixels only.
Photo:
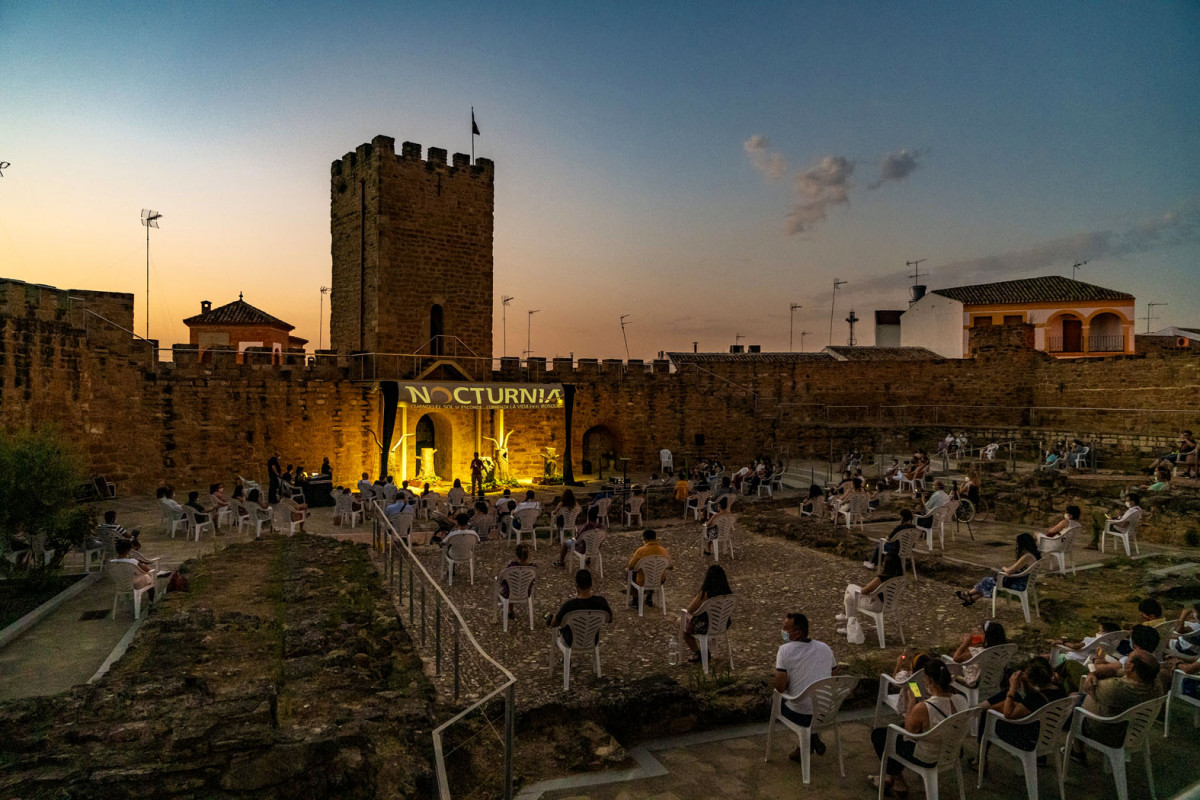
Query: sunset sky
[{"x": 698, "y": 166}]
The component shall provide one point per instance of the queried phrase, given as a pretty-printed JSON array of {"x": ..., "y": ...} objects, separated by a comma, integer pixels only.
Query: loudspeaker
[{"x": 699, "y": 440}]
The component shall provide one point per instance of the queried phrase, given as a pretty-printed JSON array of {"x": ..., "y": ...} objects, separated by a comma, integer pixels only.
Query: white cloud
[{"x": 817, "y": 189}]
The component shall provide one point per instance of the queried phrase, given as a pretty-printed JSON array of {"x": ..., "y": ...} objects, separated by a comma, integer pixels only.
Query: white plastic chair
[
  {"x": 1024, "y": 595},
  {"x": 287, "y": 510},
  {"x": 766, "y": 486},
  {"x": 720, "y": 612},
  {"x": 990, "y": 662},
  {"x": 777, "y": 482},
  {"x": 585, "y": 632},
  {"x": 241, "y": 513},
  {"x": 633, "y": 508},
  {"x": 247, "y": 485},
  {"x": 652, "y": 568},
  {"x": 173, "y": 520},
  {"x": 402, "y": 524},
  {"x": 528, "y": 519},
  {"x": 1052, "y": 734},
  {"x": 261, "y": 516},
  {"x": 194, "y": 525},
  {"x": 569, "y": 515},
  {"x": 602, "y": 506},
  {"x": 1178, "y": 678},
  {"x": 907, "y": 539},
  {"x": 122, "y": 576},
  {"x": 429, "y": 503},
  {"x": 221, "y": 513},
  {"x": 1108, "y": 641},
  {"x": 456, "y": 500},
  {"x": 718, "y": 531},
  {"x": 891, "y": 590},
  {"x": 1126, "y": 536},
  {"x": 948, "y": 736},
  {"x": 1137, "y": 737},
  {"x": 827, "y": 696},
  {"x": 520, "y": 590},
  {"x": 818, "y": 508},
  {"x": 888, "y": 699},
  {"x": 593, "y": 551},
  {"x": 344, "y": 508},
  {"x": 461, "y": 550},
  {"x": 1065, "y": 541},
  {"x": 694, "y": 504},
  {"x": 858, "y": 505}
]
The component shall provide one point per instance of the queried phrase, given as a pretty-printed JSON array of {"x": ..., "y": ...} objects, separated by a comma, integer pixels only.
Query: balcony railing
[
  {"x": 1057, "y": 345},
  {"x": 1095, "y": 344}
]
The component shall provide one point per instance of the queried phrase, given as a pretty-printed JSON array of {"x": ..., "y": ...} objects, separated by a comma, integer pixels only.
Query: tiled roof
[
  {"x": 1048, "y": 289},
  {"x": 843, "y": 353},
  {"x": 887, "y": 317},
  {"x": 239, "y": 312},
  {"x": 746, "y": 358}
]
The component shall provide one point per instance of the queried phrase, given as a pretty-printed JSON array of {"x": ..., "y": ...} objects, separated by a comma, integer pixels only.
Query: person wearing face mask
[
  {"x": 1051, "y": 541},
  {"x": 1130, "y": 516},
  {"x": 800, "y": 662}
]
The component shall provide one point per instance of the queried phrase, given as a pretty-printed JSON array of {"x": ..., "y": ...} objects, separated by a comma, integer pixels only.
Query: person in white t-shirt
[
  {"x": 936, "y": 500},
  {"x": 799, "y": 663}
]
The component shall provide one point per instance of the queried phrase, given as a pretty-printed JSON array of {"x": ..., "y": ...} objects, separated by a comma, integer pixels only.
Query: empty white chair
[
  {"x": 527, "y": 517},
  {"x": 460, "y": 550},
  {"x": 989, "y": 665},
  {"x": 718, "y": 530},
  {"x": 719, "y": 611},
  {"x": 1060, "y": 546},
  {"x": 122, "y": 575},
  {"x": 947, "y": 737},
  {"x": 1126, "y": 536},
  {"x": 1176, "y": 695},
  {"x": 602, "y": 506},
  {"x": 519, "y": 581},
  {"x": 592, "y": 544},
  {"x": 891, "y": 690},
  {"x": 247, "y": 485},
  {"x": 827, "y": 696},
  {"x": 585, "y": 633},
  {"x": 1137, "y": 721},
  {"x": 429, "y": 504},
  {"x": 1052, "y": 734},
  {"x": 777, "y": 481},
  {"x": 767, "y": 487},
  {"x": 652, "y": 569},
  {"x": 1028, "y": 594},
  {"x": 891, "y": 590},
  {"x": 633, "y": 508}
]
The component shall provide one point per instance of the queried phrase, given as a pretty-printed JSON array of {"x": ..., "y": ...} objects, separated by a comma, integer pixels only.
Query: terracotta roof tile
[
  {"x": 843, "y": 353},
  {"x": 1047, "y": 289},
  {"x": 239, "y": 312},
  {"x": 746, "y": 358}
]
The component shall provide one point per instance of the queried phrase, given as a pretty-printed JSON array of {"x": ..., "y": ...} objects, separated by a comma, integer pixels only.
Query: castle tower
[{"x": 412, "y": 253}]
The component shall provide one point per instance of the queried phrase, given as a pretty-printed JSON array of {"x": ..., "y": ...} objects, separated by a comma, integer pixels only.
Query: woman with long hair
[
  {"x": 715, "y": 584},
  {"x": 1027, "y": 555}
]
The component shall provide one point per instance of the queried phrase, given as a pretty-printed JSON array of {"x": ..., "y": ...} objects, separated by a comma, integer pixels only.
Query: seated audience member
[
  {"x": 1052, "y": 541},
  {"x": 1027, "y": 555},
  {"x": 1184, "y": 453},
  {"x": 1076, "y": 454},
  {"x": 572, "y": 543},
  {"x": 566, "y": 503},
  {"x": 936, "y": 500},
  {"x": 502, "y": 500},
  {"x": 216, "y": 496},
  {"x": 584, "y": 600},
  {"x": 716, "y": 584},
  {"x": 202, "y": 513},
  {"x": 905, "y": 668},
  {"x": 650, "y": 547},
  {"x": 892, "y": 545},
  {"x": 145, "y": 575},
  {"x": 1028, "y": 689},
  {"x": 399, "y": 506},
  {"x": 869, "y": 597},
  {"x": 942, "y": 702},
  {"x": 725, "y": 488},
  {"x": 456, "y": 497},
  {"x": 1105, "y": 626},
  {"x": 969, "y": 489},
  {"x": 390, "y": 490},
  {"x": 166, "y": 496},
  {"x": 1161, "y": 482},
  {"x": 528, "y": 503},
  {"x": 683, "y": 489},
  {"x": 991, "y": 635},
  {"x": 118, "y": 532},
  {"x": 800, "y": 662},
  {"x": 239, "y": 497},
  {"x": 259, "y": 499},
  {"x": 366, "y": 489},
  {"x": 1109, "y": 696},
  {"x": 637, "y": 493},
  {"x": 521, "y": 560},
  {"x": 710, "y": 527},
  {"x": 460, "y": 529},
  {"x": 809, "y": 504},
  {"x": 1121, "y": 523},
  {"x": 1142, "y": 638}
]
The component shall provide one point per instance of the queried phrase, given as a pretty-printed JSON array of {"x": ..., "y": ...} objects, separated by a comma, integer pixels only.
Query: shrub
[{"x": 1191, "y": 537}]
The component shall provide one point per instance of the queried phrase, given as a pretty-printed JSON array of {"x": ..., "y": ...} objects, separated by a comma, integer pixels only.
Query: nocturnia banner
[{"x": 481, "y": 395}]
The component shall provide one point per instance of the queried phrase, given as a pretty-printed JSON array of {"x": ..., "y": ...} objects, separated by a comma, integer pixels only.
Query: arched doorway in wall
[
  {"x": 598, "y": 441},
  {"x": 434, "y": 432},
  {"x": 1106, "y": 334}
]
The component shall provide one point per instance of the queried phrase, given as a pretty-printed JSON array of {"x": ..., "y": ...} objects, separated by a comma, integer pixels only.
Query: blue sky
[{"x": 1037, "y": 134}]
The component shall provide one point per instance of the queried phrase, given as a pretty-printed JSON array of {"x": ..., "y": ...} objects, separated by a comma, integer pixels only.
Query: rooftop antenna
[
  {"x": 836, "y": 283},
  {"x": 1075, "y": 268},
  {"x": 737, "y": 338},
  {"x": 149, "y": 220},
  {"x": 916, "y": 274},
  {"x": 802, "y": 335},
  {"x": 3, "y": 166},
  {"x": 529, "y": 332},
  {"x": 853, "y": 318},
  {"x": 792, "y": 322},
  {"x": 623, "y": 336},
  {"x": 505, "y": 299},
  {"x": 1149, "y": 316},
  {"x": 321, "y": 319}
]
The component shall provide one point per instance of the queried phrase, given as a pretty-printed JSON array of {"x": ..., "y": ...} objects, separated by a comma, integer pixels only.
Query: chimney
[
  {"x": 695, "y": 347},
  {"x": 754, "y": 348},
  {"x": 736, "y": 348},
  {"x": 917, "y": 292},
  {"x": 205, "y": 306}
]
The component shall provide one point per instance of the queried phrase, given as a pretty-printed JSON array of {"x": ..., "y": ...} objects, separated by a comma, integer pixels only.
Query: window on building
[
  {"x": 1013, "y": 319},
  {"x": 981, "y": 322}
]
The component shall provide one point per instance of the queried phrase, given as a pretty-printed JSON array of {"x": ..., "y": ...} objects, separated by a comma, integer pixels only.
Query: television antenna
[
  {"x": 737, "y": 338},
  {"x": 836, "y": 283},
  {"x": 505, "y": 299},
  {"x": 916, "y": 273},
  {"x": 1075, "y": 268},
  {"x": 802, "y": 335},
  {"x": 792, "y": 322},
  {"x": 529, "y": 332},
  {"x": 321, "y": 318},
  {"x": 1149, "y": 315},
  {"x": 623, "y": 336},
  {"x": 3, "y": 166},
  {"x": 149, "y": 220}
]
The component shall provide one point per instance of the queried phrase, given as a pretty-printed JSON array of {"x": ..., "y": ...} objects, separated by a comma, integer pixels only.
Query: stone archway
[
  {"x": 436, "y": 432},
  {"x": 598, "y": 441}
]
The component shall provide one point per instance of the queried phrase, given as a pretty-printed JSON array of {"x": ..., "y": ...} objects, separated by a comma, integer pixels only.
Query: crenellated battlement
[{"x": 370, "y": 155}]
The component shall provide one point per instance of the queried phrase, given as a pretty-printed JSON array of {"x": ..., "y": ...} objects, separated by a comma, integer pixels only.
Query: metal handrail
[{"x": 383, "y": 530}]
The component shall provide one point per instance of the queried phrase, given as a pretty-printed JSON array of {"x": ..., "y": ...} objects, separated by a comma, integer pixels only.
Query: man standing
[
  {"x": 650, "y": 547},
  {"x": 799, "y": 663},
  {"x": 274, "y": 474},
  {"x": 477, "y": 476}
]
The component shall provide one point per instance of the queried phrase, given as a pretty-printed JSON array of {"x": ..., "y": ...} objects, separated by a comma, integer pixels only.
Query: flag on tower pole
[{"x": 474, "y": 133}]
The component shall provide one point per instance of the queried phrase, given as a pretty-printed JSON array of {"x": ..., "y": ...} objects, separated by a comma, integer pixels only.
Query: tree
[{"x": 39, "y": 471}]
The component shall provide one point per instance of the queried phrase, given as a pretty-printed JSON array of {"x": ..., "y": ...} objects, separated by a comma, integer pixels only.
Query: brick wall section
[{"x": 407, "y": 234}]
